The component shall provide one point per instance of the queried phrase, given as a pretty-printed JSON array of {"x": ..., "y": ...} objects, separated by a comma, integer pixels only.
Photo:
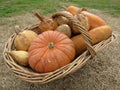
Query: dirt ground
[{"x": 100, "y": 73}]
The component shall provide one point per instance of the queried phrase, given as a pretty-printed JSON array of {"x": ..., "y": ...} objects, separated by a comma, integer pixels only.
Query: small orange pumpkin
[{"x": 50, "y": 51}]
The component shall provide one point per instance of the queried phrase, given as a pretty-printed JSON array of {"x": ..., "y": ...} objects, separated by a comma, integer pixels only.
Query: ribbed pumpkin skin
[{"x": 45, "y": 59}]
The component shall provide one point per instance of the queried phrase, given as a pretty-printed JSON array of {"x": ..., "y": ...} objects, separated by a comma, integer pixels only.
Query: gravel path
[{"x": 100, "y": 73}]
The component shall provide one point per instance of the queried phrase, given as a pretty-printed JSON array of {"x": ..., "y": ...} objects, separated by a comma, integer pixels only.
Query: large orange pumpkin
[{"x": 50, "y": 51}]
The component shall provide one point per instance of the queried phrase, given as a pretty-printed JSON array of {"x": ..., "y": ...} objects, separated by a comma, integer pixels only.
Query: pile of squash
[{"x": 57, "y": 44}]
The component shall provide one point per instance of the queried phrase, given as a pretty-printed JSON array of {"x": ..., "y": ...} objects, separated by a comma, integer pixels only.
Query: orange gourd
[
  {"x": 72, "y": 9},
  {"x": 46, "y": 23},
  {"x": 50, "y": 51},
  {"x": 94, "y": 20},
  {"x": 97, "y": 35}
]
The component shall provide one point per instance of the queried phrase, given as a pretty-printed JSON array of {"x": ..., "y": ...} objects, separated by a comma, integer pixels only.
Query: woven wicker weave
[{"x": 29, "y": 75}]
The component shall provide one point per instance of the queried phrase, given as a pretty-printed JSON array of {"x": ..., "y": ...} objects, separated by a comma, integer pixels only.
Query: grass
[
  {"x": 9, "y": 8},
  {"x": 15, "y": 7}
]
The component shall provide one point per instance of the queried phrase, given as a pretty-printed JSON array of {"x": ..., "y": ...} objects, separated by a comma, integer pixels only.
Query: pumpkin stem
[
  {"x": 17, "y": 29},
  {"x": 51, "y": 45},
  {"x": 40, "y": 17}
]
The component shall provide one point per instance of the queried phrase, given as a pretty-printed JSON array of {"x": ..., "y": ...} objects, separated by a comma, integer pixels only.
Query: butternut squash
[
  {"x": 94, "y": 20},
  {"x": 97, "y": 35}
]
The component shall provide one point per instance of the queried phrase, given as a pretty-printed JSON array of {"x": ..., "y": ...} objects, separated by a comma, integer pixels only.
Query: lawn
[{"x": 9, "y": 8}]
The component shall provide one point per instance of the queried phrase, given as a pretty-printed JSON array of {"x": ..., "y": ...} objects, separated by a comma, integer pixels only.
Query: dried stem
[
  {"x": 82, "y": 9},
  {"x": 40, "y": 17}
]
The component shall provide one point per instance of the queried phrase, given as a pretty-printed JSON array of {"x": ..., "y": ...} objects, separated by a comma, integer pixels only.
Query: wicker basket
[{"x": 29, "y": 75}]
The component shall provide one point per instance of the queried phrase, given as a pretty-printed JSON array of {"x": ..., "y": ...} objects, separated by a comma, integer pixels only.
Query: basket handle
[{"x": 76, "y": 25}]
